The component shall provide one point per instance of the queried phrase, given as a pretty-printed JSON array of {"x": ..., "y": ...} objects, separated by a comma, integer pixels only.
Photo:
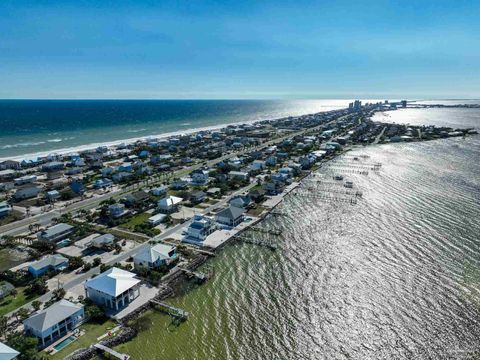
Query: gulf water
[
  {"x": 30, "y": 127},
  {"x": 396, "y": 276}
]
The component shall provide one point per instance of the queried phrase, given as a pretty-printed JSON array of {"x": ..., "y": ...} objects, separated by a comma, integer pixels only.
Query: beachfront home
[
  {"x": 54, "y": 322},
  {"x": 114, "y": 288},
  {"x": 55, "y": 233},
  {"x": 257, "y": 195},
  {"x": 5, "y": 209},
  {"x": 155, "y": 256},
  {"x": 169, "y": 204},
  {"x": 231, "y": 216},
  {"x": 49, "y": 263},
  {"x": 200, "y": 228},
  {"x": 7, "y": 353}
]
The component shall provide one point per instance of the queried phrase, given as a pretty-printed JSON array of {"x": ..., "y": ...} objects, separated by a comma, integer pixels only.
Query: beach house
[
  {"x": 54, "y": 322},
  {"x": 231, "y": 216},
  {"x": 56, "y": 233},
  {"x": 49, "y": 263},
  {"x": 155, "y": 256},
  {"x": 200, "y": 228},
  {"x": 169, "y": 204},
  {"x": 7, "y": 353},
  {"x": 114, "y": 288}
]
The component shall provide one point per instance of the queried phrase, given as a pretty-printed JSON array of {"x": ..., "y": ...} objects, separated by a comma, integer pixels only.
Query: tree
[
  {"x": 37, "y": 286},
  {"x": 14, "y": 292},
  {"x": 36, "y": 305},
  {"x": 26, "y": 345},
  {"x": 97, "y": 261},
  {"x": 94, "y": 312},
  {"x": 3, "y": 326},
  {"x": 59, "y": 293},
  {"x": 75, "y": 262},
  {"x": 23, "y": 313}
]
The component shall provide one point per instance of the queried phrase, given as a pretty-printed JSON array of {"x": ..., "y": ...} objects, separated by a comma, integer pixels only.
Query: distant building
[
  {"x": 56, "y": 233},
  {"x": 197, "y": 197},
  {"x": 117, "y": 210},
  {"x": 27, "y": 179},
  {"x": 49, "y": 263},
  {"x": 156, "y": 219},
  {"x": 200, "y": 228},
  {"x": 5, "y": 209},
  {"x": 52, "y": 195},
  {"x": 231, "y": 216},
  {"x": 26, "y": 193},
  {"x": 54, "y": 322},
  {"x": 169, "y": 204},
  {"x": 113, "y": 289},
  {"x": 240, "y": 201},
  {"x": 155, "y": 256}
]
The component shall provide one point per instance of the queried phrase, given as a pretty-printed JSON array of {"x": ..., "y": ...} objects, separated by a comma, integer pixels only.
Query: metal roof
[{"x": 52, "y": 315}]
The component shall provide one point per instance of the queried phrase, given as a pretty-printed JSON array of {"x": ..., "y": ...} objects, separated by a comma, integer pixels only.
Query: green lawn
[
  {"x": 92, "y": 332},
  {"x": 136, "y": 220},
  {"x": 256, "y": 211},
  {"x": 11, "y": 303}
]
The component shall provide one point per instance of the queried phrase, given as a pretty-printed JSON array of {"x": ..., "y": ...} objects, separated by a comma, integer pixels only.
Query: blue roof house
[
  {"x": 49, "y": 263},
  {"x": 54, "y": 322}
]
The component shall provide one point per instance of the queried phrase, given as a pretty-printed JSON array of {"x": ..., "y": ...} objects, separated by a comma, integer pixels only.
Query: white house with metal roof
[
  {"x": 114, "y": 288},
  {"x": 7, "y": 353},
  {"x": 154, "y": 256},
  {"x": 55, "y": 321},
  {"x": 169, "y": 204}
]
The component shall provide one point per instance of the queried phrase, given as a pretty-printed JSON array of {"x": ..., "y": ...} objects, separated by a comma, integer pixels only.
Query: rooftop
[
  {"x": 52, "y": 315},
  {"x": 113, "y": 282}
]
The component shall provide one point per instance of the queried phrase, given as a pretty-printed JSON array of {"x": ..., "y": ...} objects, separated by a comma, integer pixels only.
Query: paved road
[
  {"x": 81, "y": 278},
  {"x": 21, "y": 226}
]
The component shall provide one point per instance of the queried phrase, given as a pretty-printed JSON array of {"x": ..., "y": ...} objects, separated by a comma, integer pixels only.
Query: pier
[
  {"x": 112, "y": 352},
  {"x": 199, "y": 276},
  {"x": 256, "y": 241},
  {"x": 177, "y": 313},
  {"x": 266, "y": 231}
]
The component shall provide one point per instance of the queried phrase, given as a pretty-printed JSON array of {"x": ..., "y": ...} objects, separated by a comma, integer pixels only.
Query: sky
[{"x": 239, "y": 49}]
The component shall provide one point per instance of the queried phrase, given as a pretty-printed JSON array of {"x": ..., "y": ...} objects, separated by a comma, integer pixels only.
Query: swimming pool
[
  {"x": 64, "y": 343},
  {"x": 63, "y": 243}
]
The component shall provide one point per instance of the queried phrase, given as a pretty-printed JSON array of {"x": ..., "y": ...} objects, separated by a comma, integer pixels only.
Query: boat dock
[
  {"x": 170, "y": 310},
  {"x": 256, "y": 241},
  {"x": 266, "y": 231},
  {"x": 199, "y": 276},
  {"x": 112, "y": 352}
]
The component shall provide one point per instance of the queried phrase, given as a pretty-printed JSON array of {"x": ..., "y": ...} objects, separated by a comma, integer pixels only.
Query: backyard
[
  {"x": 92, "y": 331},
  {"x": 10, "y": 302}
]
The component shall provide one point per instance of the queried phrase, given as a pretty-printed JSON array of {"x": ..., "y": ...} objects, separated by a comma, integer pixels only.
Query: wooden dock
[
  {"x": 266, "y": 231},
  {"x": 170, "y": 310},
  {"x": 199, "y": 276},
  {"x": 112, "y": 352},
  {"x": 256, "y": 241}
]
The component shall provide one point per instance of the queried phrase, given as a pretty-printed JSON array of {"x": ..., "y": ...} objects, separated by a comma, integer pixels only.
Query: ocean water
[
  {"x": 41, "y": 126},
  {"x": 396, "y": 276}
]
